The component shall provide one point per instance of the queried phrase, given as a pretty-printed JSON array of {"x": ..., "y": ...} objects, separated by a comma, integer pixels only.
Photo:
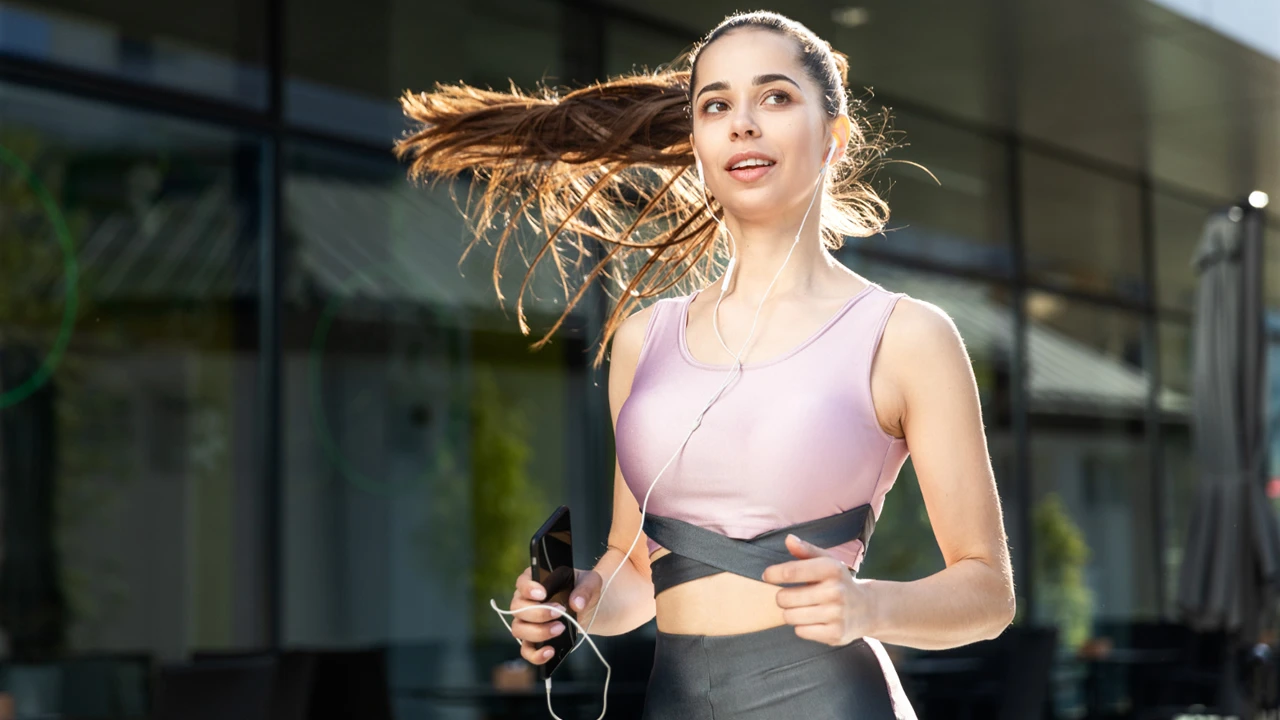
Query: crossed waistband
[{"x": 697, "y": 552}]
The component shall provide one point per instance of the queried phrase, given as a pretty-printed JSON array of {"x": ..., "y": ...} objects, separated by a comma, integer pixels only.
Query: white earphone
[{"x": 737, "y": 367}]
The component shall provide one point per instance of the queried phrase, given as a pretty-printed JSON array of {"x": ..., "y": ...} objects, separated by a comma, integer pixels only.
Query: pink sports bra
[{"x": 794, "y": 438}]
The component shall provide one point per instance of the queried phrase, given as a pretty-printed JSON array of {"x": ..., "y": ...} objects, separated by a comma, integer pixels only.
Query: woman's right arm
[{"x": 630, "y": 601}]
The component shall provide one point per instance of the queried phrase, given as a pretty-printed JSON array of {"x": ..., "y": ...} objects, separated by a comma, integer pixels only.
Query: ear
[{"x": 841, "y": 129}]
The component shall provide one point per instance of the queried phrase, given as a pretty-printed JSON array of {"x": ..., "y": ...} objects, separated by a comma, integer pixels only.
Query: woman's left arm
[
  {"x": 935, "y": 397},
  {"x": 937, "y": 401}
]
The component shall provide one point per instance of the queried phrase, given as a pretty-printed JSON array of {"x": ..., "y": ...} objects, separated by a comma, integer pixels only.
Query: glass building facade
[{"x": 252, "y": 400}]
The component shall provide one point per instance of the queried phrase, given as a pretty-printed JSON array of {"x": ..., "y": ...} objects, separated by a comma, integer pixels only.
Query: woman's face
[{"x": 758, "y": 123}]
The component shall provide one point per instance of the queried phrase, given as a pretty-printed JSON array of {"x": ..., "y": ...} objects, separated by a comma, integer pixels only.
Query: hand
[
  {"x": 540, "y": 625},
  {"x": 833, "y": 607}
]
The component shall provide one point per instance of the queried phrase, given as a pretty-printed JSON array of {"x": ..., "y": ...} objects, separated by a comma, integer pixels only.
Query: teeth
[{"x": 751, "y": 162}]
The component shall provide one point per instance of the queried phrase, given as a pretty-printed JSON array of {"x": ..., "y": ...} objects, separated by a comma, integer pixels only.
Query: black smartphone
[{"x": 551, "y": 563}]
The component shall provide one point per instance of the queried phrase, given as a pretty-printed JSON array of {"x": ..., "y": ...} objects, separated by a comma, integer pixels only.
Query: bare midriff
[{"x": 721, "y": 604}]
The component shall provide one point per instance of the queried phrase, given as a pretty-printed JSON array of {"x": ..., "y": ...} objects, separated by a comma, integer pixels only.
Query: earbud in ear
[
  {"x": 698, "y": 163},
  {"x": 831, "y": 152}
]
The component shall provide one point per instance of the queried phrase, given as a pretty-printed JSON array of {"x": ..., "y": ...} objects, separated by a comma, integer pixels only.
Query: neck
[{"x": 762, "y": 248}]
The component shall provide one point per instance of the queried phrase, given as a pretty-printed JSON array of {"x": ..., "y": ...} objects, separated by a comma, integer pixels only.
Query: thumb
[
  {"x": 586, "y": 590},
  {"x": 804, "y": 550}
]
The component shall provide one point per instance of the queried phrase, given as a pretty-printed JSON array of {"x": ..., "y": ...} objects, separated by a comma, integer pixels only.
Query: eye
[
  {"x": 707, "y": 107},
  {"x": 779, "y": 95}
]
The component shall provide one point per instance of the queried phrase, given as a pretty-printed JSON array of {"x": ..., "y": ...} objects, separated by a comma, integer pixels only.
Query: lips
[{"x": 749, "y": 166}]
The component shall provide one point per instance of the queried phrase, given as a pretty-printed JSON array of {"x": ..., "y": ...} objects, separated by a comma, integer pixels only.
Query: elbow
[
  {"x": 1004, "y": 609},
  {"x": 1002, "y": 606}
]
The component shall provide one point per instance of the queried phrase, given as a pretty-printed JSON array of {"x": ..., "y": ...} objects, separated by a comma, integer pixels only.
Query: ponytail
[{"x": 608, "y": 163}]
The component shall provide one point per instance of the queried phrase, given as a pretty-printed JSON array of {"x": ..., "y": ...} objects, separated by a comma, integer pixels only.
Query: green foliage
[
  {"x": 1061, "y": 554},
  {"x": 505, "y": 505},
  {"x": 903, "y": 546}
]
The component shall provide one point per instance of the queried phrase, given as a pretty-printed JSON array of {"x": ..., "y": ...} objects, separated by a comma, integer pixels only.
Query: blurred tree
[
  {"x": 1060, "y": 556},
  {"x": 506, "y": 507}
]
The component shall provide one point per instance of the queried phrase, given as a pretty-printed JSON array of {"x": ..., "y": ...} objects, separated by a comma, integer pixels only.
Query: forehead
[{"x": 742, "y": 54}]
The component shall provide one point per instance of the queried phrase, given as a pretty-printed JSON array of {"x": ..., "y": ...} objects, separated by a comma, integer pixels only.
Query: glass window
[
  {"x": 129, "y": 389},
  {"x": 409, "y": 45},
  {"x": 1178, "y": 228},
  {"x": 960, "y": 219},
  {"x": 904, "y": 547},
  {"x": 1091, "y": 506},
  {"x": 214, "y": 49},
  {"x": 630, "y": 47},
  {"x": 1083, "y": 229},
  {"x": 1271, "y": 258},
  {"x": 1181, "y": 477},
  {"x": 1174, "y": 338},
  {"x": 1273, "y": 404},
  {"x": 424, "y": 442},
  {"x": 1084, "y": 359}
]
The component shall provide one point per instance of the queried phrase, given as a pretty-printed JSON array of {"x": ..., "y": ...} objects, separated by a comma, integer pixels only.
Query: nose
[{"x": 744, "y": 125}]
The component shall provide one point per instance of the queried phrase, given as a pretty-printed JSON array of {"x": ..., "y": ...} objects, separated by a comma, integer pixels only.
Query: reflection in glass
[
  {"x": 1083, "y": 229},
  {"x": 1174, "y": 340},
  {"x": 1178, "y": 227},
  {"x": 958, "y": 220},
  {"x": 1271, "y": 256},
  {"x": 409, "y": 44},
  {"x": 1091, "y": 503},
  {"x": 131, "y": 472},
  {"x": 424, "y": 442},
  {"x": 209, "y": 48},
  {"x": 630, "y": 47},
  {"x": 1181, "y": 475},
  {"x": 1084, "y": 359},
  {"x": 1273, "y": 404}
]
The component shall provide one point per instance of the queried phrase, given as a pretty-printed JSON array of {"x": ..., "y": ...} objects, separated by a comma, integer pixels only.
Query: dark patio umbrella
[{"x": 1231, "y": 567}]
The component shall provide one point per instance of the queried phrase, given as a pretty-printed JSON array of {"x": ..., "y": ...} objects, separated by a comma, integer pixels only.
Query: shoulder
[
  {"x": 920, "y": 325},
  {"x": 628, "y": 337},
  {"x": 922, "y": 344},
  {"x": 624, "y": 349}
]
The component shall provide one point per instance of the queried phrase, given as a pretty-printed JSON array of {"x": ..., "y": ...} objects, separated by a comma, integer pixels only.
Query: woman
[{"x": 806, "y": 384}]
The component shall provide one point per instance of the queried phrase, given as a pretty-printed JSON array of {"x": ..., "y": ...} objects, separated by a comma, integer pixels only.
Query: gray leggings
[{"x": 770, "y": 674}]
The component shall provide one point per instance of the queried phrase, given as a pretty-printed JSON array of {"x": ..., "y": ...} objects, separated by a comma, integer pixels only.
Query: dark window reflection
[
  {"x": 959, "y": 219},
  {"x": 132, "y": 497},
  {"x": 1178, "y": 227},
  {"x": 209, "y": 48},
  {"x": 1174, "y": 398},
  {"x": 409, "y": 44},
  {"x": 1091, "y": 506},
  {"x": 1181, "y": 476},
  {"x": 630, "y": 47},
  {"x": 1084, "y": 359},
  {"x": 424, "y": 442},
  {"x": 1082, "y": 229}
]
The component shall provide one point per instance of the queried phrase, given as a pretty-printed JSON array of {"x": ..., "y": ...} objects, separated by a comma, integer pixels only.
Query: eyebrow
[{"x": 757, "y": 80}]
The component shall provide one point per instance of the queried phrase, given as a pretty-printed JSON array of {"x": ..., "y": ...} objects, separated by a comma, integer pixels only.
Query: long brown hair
[{"x": 610, "y": 162}]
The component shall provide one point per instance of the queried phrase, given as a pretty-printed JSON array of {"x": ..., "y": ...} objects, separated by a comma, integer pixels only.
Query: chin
[{"x": 761, "y": 204}]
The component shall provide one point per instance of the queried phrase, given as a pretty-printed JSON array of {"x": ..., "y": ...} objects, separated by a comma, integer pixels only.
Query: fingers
[
  {"x": 825, "y": 592},
  {"x": 826, "y": 633},
  {"x": 811, "y": 615},
  {"x": 535, "y": 616},
  {"x": 537, "y": 656},
  {"x": 811, "y": 570},
  {"x": 528, "y": 588},
  {"x": 586, "y": 592},
  {"x": 538, "y": 632}
]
